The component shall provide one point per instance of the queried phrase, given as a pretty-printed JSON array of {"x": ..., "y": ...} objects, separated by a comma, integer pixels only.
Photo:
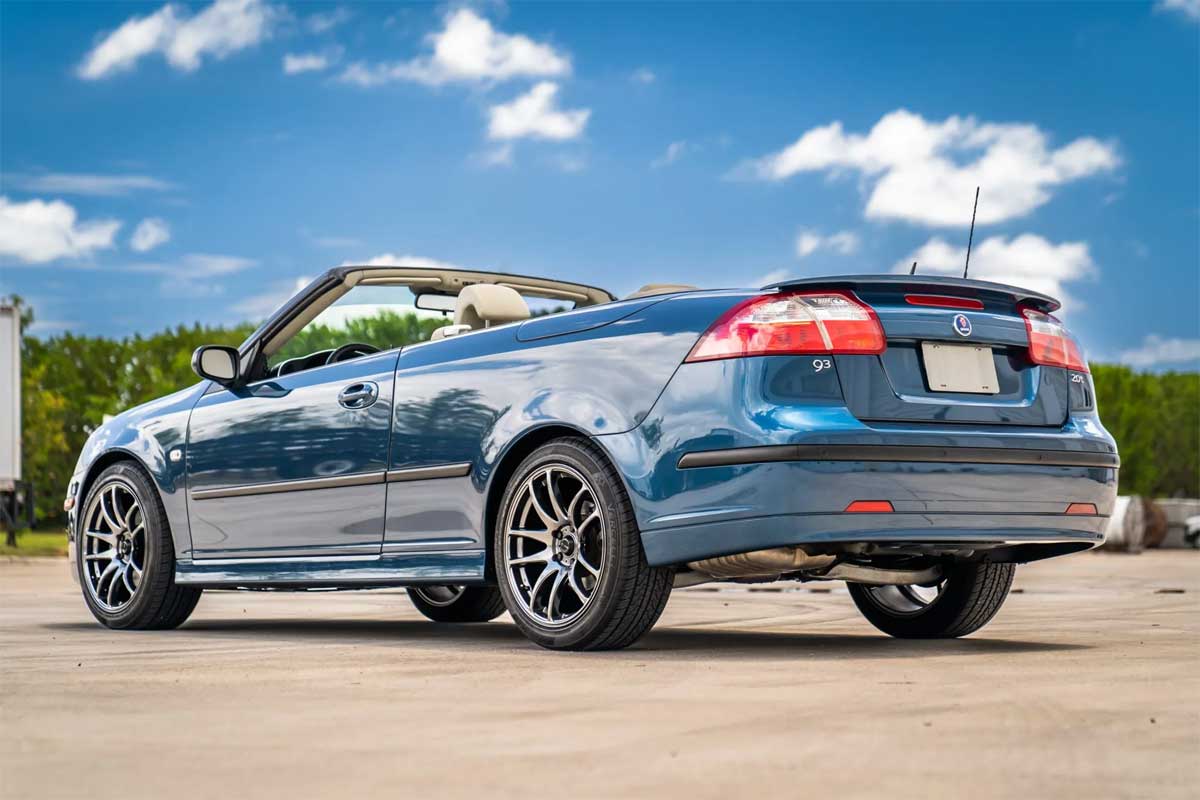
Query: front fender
[{"x": 155, "y": 436}]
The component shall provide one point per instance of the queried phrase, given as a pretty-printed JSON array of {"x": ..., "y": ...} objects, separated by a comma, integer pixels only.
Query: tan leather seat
[
  {"x": 482, "y": 305},
  {"x": 448, "y": 330}
]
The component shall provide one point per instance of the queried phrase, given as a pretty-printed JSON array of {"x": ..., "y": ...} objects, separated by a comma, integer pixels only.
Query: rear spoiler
[{"x": 959, "y": 287}]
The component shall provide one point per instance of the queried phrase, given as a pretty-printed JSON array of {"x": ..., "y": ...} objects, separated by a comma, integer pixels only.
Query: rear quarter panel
[{"x": 473, "y": 397}]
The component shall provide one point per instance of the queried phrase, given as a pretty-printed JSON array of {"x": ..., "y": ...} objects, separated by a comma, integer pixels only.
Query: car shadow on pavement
[
  {"x": 663, "y": 641},
  {"x": 833, "y": 646}
]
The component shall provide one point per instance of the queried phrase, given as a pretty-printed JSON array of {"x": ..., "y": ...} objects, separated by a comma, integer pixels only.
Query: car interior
[{"x": 468, "y": 301}]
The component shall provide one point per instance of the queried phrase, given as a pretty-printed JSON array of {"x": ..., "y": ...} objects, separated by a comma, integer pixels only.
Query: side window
[
  {"x": 383, "y": 317},
  {"x": 544, "y": 306}
]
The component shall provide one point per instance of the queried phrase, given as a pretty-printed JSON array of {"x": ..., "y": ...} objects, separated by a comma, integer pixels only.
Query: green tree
[{"x": 1155, "y": 419}]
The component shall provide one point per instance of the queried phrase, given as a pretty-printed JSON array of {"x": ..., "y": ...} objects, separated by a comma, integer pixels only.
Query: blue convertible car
[{"x": 916, "y": 437}]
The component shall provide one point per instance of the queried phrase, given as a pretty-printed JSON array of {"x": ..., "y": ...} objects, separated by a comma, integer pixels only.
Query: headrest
[
  {"x": 483, "y": 304},
  {"x": 651, "y": 289}
]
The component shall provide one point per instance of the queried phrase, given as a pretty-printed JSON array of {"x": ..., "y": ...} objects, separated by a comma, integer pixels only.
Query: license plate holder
[{"x": 959, "y": 368}]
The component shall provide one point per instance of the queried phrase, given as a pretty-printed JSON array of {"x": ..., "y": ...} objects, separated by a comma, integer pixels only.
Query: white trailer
[
  {"x": 10, "y": 397},
  {"x": 16, "y": 495}
]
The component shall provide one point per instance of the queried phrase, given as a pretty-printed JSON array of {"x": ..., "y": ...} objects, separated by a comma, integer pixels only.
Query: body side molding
[{"x": 358, "y": 479}]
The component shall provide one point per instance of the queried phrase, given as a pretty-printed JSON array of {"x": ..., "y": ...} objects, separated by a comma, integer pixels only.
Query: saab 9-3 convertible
[{"x": 916, "y": 437}]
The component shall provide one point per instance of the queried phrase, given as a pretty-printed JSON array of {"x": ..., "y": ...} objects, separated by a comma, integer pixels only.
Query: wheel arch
[
  {"x": 506, "y": 465},
  {"x": 103, "y": 462}
]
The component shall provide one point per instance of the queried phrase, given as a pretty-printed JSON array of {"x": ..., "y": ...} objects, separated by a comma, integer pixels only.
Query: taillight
[
  {"x": 1049, "y": 342},
  {"x": 943, "y": 301},
  {"x": 792, "y": 324}
]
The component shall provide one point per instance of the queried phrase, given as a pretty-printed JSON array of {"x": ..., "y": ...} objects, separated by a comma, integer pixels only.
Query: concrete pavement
[{"x": 1086, "y": 684}]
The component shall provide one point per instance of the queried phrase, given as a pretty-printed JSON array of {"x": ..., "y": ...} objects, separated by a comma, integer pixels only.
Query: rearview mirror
[
  {"x": 431, "y": 301},
  {"x": 216, "y": 363}
]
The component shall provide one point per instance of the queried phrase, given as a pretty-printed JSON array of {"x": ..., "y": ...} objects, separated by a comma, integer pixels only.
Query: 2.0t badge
[{"x": 962, "y": 325}]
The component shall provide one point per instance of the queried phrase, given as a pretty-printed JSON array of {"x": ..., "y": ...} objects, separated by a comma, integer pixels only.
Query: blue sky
[{"x": 164, "y": 164}]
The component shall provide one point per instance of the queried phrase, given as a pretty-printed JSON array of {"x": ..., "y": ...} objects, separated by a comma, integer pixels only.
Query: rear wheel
[
  {"x": 457, "y": 603},
  {"x": 568, "y": 553},
  {"x": 962, "y": 602},
  {"x": 125, "y": 555}
]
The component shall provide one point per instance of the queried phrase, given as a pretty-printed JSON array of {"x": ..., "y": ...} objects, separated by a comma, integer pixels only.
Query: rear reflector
[
  {"x": 943, "y": 301},
  {"x": 1087, "y": 509},
  {"x": 793, "y": 323},
  {"x": 1049, "y": 342},
  {"x": 870, "y": 507}
]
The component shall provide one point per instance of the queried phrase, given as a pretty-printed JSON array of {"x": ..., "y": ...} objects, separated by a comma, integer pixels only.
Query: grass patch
[{"x": 37, "y": 542}]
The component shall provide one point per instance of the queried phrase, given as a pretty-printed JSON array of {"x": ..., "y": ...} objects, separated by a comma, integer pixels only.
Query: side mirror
[{"x": 216, "y": 363}]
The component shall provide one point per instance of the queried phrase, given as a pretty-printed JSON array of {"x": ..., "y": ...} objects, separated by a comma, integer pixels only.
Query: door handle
[{"x": 359, "y": 395}]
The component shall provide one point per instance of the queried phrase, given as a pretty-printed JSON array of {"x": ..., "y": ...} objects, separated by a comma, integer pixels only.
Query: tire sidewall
[
  {"x": 610, "y": 497},
  {"x": 157, "y": 556},
  {"x": 942, "y": 618}
]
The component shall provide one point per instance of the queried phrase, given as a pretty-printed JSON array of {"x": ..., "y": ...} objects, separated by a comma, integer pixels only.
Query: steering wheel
[{"x": 351, "y": 350}]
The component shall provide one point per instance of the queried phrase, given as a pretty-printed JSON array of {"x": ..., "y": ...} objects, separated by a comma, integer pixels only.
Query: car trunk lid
[{"x": 957, "y": 352}]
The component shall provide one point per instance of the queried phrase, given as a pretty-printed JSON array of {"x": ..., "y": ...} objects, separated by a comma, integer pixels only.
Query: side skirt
[{"x": 462, "y": 567}]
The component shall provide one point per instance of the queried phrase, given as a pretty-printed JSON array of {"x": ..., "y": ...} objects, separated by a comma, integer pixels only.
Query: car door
[{"x": 292, "y": 466}]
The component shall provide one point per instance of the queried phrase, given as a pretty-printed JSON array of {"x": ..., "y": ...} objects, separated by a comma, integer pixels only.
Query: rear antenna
[
  {"x": 913, "y": 271},
  {"x": 970, "y": 238}
]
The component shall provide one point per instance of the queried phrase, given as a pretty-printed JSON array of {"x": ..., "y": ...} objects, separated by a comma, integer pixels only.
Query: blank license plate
[{"x": 966, "y": 368}]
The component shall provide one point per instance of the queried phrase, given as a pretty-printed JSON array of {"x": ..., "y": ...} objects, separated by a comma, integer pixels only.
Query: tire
[
  {"x": 457, "y": 603},
  {"x": 140, "y": 536},
  {"x": 968, "y": 598},
  {"x": 610, "y": 597}
]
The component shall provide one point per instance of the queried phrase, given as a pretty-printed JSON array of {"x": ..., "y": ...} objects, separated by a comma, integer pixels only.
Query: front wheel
[
  {"x": 962, "y": 602},
  {"x": 568, "y": 553},
  {"x": 125, "y": 555}
]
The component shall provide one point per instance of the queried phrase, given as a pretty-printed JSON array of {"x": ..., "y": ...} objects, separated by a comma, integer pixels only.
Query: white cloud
[
  {"x": 674, "y": 152},
  {"x": 1189, "y": 8},
  {"x": 643, "y": 75},
  {"x": 1027, "y": 261},
  {"x": 1156, "y": 351},
  {"x": 89, "y": 184},
  {"x": 327, "y": 21},
  {"x": 570, "y": 163},
  {"x": 393, "y": 260},
  {"x": 843, "y": 243},
  {"x": 222, "y": 28},
  {"x": 46, "y": 327},
  {"x": 499, "y": 156},
  {"x": 196, "y": 265},
  {"x": 926, "y": 172},
  {"x": 196, "y": 274},
  {"x": 149, "y": 234},
  {"x": 38, "y": 231},
  {"x": 774, "y": 276},
  {"x": 534, "y": 115},
  {"x": 260, "y": 306},
  {"x": 296, "y": 63},
  {"x": 205, "y": 265},
  {"x": 467, "y": 50}
]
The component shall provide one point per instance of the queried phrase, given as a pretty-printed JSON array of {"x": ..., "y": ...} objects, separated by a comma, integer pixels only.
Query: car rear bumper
[
  {"x": 1006, "y": 537},
  {"x": 1012, "y": 503}
]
